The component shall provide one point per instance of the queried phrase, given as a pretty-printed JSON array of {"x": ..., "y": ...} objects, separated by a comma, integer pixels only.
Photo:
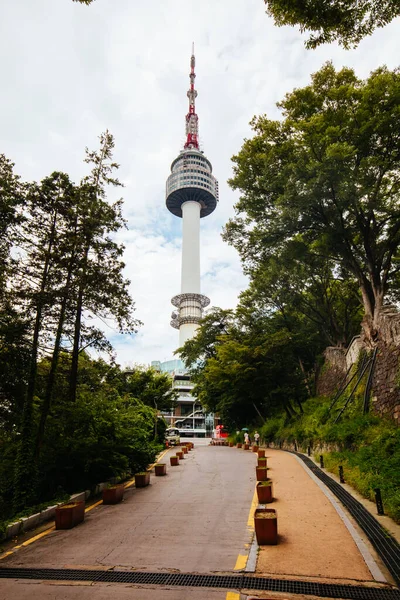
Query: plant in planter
[
  {"x": 185, "y": 450},
  {"x": 69, "y": 515},
  {"x": 180, "y": 455},
  {"x": 230, "y": 444},
  {"x": 261, "y": 453},
  {"x": 160, "y": 469},
  {"x": 262, "y": 462},
  {"x": 239, "y": 445},
  {"x": 142, "y": 479},
  {"x": 174, "y": 460},
  {"x": 266, "y": 526},
  {"x": 246, "y": 446},
  {"x": 113, "y": 494},
  {"x": 255, "y": 448},
  {"x": 264, "y": 492},
  {"x": 262, "y": 473}
]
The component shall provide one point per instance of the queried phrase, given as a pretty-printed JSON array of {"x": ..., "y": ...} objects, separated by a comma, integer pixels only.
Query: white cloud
[{"x": 71, "y": 71}]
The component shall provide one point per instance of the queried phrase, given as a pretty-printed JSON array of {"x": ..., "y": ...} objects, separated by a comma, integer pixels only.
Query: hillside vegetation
[{"x": 368, "y": 447}]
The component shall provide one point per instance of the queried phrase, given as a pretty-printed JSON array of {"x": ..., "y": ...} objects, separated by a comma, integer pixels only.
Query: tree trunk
[
  {"x": 373, "y": 298},
  {"x": 73, "y": 378},
  {"x": 24, "y": 478},
  {"x": 54, "y": 360}
]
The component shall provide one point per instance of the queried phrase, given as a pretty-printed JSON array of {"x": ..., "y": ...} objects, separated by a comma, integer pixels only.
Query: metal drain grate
[
  {"x": 237, "y": 582},
  {"x": 386, "y": 546}
]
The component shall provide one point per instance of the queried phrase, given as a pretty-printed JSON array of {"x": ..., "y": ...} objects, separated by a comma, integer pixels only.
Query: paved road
[{"x": 193, "y": 520}]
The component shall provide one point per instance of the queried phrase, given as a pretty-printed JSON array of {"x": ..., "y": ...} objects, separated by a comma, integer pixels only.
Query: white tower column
[{"x": 190, "y": 275}]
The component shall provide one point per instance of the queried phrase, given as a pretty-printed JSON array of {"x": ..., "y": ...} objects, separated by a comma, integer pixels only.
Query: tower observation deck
[{"x": 191, "y": 193}]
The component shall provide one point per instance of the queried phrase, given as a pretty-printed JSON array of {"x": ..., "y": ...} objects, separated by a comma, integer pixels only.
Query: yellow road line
[
  {"x": 232, "y": 596},
  {"x": 28, "y": 542},
  {"x": 132, "y": 481},
  {"x": 47, "y": 531},
  {"x": 241, "y": 560},
  {"x": 93, "y": 506},
  {"x": 158, "y": 459},
  {"x": 254, "y": 504}
]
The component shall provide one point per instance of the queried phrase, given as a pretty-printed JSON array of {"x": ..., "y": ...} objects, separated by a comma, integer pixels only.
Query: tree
[
  {"x": 246, "y": 369},
  {"x": 202, "y": 346},
  {"x": 154, "y": 389},
  {"x": 87, "y": 2},
  {"x": 346, "y": 21},
  {"x": 250, "y": 378},
  {"x": 11, "y": 197},
  {"x": 100, "y": 286},
  {"x": 14, "y": 350},
  {"x": 299, "y": 284},
  {"x": 328, "y": 172},
  {"x": 37, "y": 288}
]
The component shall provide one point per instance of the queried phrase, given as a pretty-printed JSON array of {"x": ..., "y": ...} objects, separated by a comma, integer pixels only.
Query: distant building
[{"x": 188, "y": 415}]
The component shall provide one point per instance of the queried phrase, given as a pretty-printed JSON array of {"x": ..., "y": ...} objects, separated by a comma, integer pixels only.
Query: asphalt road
[{"x": 194, "y": 520}]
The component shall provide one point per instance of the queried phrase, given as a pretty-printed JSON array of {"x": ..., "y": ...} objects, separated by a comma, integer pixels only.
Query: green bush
[{"x": 368, "y": 447}]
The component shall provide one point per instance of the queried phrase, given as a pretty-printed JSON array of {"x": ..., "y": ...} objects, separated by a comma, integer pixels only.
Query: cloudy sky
[{"x": 70, "y": 71}]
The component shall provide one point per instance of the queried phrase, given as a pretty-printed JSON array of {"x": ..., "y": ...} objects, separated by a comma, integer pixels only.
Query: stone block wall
[
  {"x": 385, "y": 390},
  {"x": 385, "y": 396},
  {"x": 332, "y": 372}
]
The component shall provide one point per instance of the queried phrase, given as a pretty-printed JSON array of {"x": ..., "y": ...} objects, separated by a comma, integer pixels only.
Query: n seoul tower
[{"x": 191, "y": 193}]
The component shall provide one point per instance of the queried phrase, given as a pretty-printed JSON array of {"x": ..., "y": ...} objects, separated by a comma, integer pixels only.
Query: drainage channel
[
  {"x": 385, "y": 544},
  {"x": 237, "y": 582}
]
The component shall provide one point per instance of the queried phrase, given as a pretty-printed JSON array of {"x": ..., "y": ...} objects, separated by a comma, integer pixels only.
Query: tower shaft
[{"x": 190, "y": 274}]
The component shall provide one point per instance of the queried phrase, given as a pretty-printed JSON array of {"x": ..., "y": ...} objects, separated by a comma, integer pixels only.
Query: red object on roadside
[{"x": 221, "y": 432}]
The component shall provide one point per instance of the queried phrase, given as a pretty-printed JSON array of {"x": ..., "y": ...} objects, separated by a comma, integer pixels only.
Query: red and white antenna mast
[{"x": 192, "y": 120}]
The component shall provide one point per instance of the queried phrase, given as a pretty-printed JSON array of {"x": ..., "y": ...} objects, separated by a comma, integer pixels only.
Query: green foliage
[
  {"x": 368, "y": 447},
  {"x": 247, "y": 372},
  {"x": 346, "y": 22},
  {"x": 325, "y": 178},
  {"x": 105, "y": 433}
]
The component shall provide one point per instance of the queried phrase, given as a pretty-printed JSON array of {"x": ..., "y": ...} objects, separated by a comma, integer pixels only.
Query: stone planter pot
[
  {"x": 113, "y": 494},
  {"x": 266, "y": 526},
  {"x": 262, "y": 462},
  {"x": 255, "y": 448},
  {"x": 261, "y": 453},
  {"x": 246, "y": 446},
  {"x": 69, "y": 515},
  {"x": 174, "y": 460},
  {"x": 239, "y": 445},
  {"x": 160, "y": 469},
  {"x": 230, "y": 444},
  {"x": 142, "y": 479},
  {"x": 262, "y": 473},
  {"x": 185, "y": 450},
  {"x": 264, "y": 492},
  {"x": 180, "y": 455}
]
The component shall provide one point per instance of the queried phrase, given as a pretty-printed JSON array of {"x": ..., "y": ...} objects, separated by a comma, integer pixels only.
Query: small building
[{"x": 188, "y": 415}]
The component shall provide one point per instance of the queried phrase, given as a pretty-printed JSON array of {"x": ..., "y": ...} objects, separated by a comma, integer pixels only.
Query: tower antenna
[{"x": 192, "y": 120}]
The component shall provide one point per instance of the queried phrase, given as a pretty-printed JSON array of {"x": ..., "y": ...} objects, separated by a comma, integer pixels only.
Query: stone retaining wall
[
  {"x": 385, "y": 397},
  {"x": 385, "y": 389},
  {"x": 333, "y": 371}
]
